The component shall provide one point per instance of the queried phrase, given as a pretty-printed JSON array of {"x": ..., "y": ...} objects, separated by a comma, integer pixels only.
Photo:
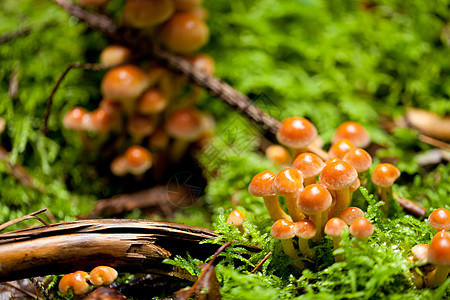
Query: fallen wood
[{"x": 125, "y": 244}]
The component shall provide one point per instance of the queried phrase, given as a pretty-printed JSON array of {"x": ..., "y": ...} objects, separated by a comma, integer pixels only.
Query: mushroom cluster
[
  {"x": 318, "y": 185},
  {"x": 149, "y": 111},
  {"x": 77, "y": 282}
]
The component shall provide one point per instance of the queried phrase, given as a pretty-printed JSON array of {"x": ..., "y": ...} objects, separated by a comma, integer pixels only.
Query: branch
[
  {"x": 13, "y": 35},
  {"x": 26, "y": 217},
  {"x": 134, "y": 39},
  {"x": 137, "y": 246}
]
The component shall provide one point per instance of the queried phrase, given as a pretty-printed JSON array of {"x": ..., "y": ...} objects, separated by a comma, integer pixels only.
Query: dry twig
[
  {"x": 26, "y": 217},
  {"x": 261, "y": 262}
]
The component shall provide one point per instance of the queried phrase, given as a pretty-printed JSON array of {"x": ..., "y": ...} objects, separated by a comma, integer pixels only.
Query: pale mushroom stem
[
  {"x": 294, "y": 211},
  {"x": 385, "y": 194},
  {"x": 336, "y": 242},
  {"x": 304, "y": 248},
  {"x": 437, "y": 276},
  {"x": 342, "y": 198},
  {"x": 178, "y": 149},
  {"x": 309, "y": 180},
  {"x": 274, "y": 209},
  {"x": 288, "y": 248},
  {"x": 317, "y": 220},
  {"x": 318, "y": 151}
]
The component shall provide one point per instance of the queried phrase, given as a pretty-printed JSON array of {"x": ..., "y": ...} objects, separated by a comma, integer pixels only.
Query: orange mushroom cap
[
  {"x": 282, "y": 230},
  {"x": 439, "y": 249},
  {"x": 147, "y": 13},
  {"x": 355, "y": 185},
  {"x": 309, "y": 164},
  {"x": 124, "y": 83},
  {"x": 139, "y": 159},
  {"x": 114, "y": 55},
  {"x": 440, "y": 219},
  {"x": 236, "y": 218},
  {"x": 314, "y": 199},
  {"x": 185, "y": 124},
  {"x": 296, "y": 132},
  {"x": 354, "y": 132},
  {"x": 141, "y": 126},
  {"x": 385, "y": 174},
  {"x": 77, "y": 282},
  {"x": 101, "y": 120},
  {"x": 340, "y": 148},
  {"x": 103, "y": 275},
  {"x": 278, "y": 155},
  {"x": 119, "y": 166},
  {"x": 337, "y": 175},
  {"x": 305, "y": 229},
  {"x": 350, "y": 214},
  {"x": 334, "y": 227},
  {"x": 184, "y": 33},
  {"x": 288, "y": 182},
  {"x": 151, "y": 102},
  {"x": 262, "y": 184},
  {"x": 420, "y": 252},
  {"x": 203, "y": 62},
  {"x": 76, "y": 118},
  {"x": 359, "y": 159},
  {"x": 361, "y": 228}
]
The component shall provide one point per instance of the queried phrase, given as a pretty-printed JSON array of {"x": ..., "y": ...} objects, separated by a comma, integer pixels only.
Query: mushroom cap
[
  {"x": 147, "y": 13},
  {"x": 440, "y": 219},
  {"x": 385, "y": 174},
  {"x": 350, "y": 214},
  {"x": 420, "y": 252},
  {"x": 185, "y": 124},
  {"x": 361, "y": 228},
  {"x": 77, "y": 282},
  {"x": 340, "y": 148},
  {"x": 114, "y": 54},
  {"x": 305, "y": 229},
  {"x": 236, "y": 218},
  {"x": 354, "y": 132},
  {"x": 338, "y": 175},
  {"x": 334, "y": 227},
  {"x": 288, "y": 182},
  {"x": 359, "y": 159},
  {"x": 203, "y": 62},
  {"x": 119, "y": 166},
  {"x": 355, "y": 185},
  {"x": 101, "y": 120},
  {"x": 314, "y": 199},
  {"x": 138, "y": 159},
  {"x": 282, "y": 230},
  {"x": 151, "y": 102},
  {"x": 102, "y": 275},
  {"x": 296, "y": 132},
  {"x": 158, "y": 140},
  {"x": 184, "y": 33},
  {"x": 112, "y": 107},
  {"x": 309, "y": 164},
  {"x": 124, "y": 83},
  {"x": 278, "y": 155},
  {"x": 140, "y": 126},
  {"x": 76, "y": 118},
  {"x": 262, "y": 184},
  {"x": 439, "y": 249}
]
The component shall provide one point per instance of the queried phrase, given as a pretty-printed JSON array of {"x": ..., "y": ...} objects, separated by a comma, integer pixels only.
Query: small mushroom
[
  {"x": 340, "y": 148},
  {"x": 147, "y": 13},
  {"x": 305, "y": 230},
  {"x": 361, "y": 228},
  {"x": 420, "y": 252},
  {"x": 114, "y": 55},
  {"x": 236, "y": 219},
  {"x": 440, "y": 219},
  {"x": 384, "y": 176},
  {"x": 75, "y": 282},
  {"x": 350, "y": 214},
  {"x": 139, "y": 160},
  {"x": 284, "y": 231},
  {"x": 152, "y": 102},
  {"x": 288, "y": 183},
  {"x": 278, "y": 155},
  {"x": 354, "y": 132},
  {"x": 334, "y": 228},
  {"x": 310, "y": 165},
  {"x": 360, "y": 160},
  {"x": 140, "y": 126},
  {"x": 262, "y": 186},
  {"x": 102, "y": 275},
  {"x": 439, "y": 255}
]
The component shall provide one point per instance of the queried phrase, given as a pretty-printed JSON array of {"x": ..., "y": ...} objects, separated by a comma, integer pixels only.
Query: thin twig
[
  {"x": 76, "y": 65},
  {"x": 21, "y": 290},
  {"x": 26, "y": 217},
  {"x": 14, "y": 84},
  {"x": 137, "y": 41},
  {"x": 4, "y": 38},
  {"x": 434, "y": 142},
  {"x": 206, "y": 269},
  {"x": 261, "y": 262}
]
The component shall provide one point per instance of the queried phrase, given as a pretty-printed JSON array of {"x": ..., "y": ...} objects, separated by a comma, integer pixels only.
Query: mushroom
[
  {"x": 203, "y": 62},
  {"x": 310, "y": 165},
  {"x": 278, "y": 155},
  {"x": 384, "y": 176},
  {"x": 158, "y": 140},
  {"x": 299, "y": 133},
  {"x": 313, "y": 201},
  {"x": 139, "y": 160},
  {"x": 361, "y": 228},
  {"x": 77, "y": 118},
  {"x": 283, "y": 230},
  {"x": 102, "y": 275},
  {"x": 140, "y": 126},
  {"x": 184, "y": 33},
  {"x": 147, "y": 13},
  {"x": 152, "y": 102},
  {"x": 334, "y": 228},
  {"x": 114, "y": 55},
  {"x": 354, "y": 132},
  {"x": 288, "y": 183},
  {"x": 440, "y": 219},
  {"x": 350, "y": 214},
  {"x": 75, "y": 282},
  {"x": 236, "y": 219},
  {"x": 420, "y": 252},
  {"x": 262, "y": 186},
  {"x": 305, "y": 230},
  {"x": 102, "y": 121},
  {"x": 119, "y": 166},
  {"x": 359, "y": 159},
  {"x": 439, "y": 255},
  {"x": 340, "y": 148},
  {"x": 338, "y": 176}
]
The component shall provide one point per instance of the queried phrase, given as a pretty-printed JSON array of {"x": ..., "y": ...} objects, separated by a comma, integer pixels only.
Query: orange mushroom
[
  {"x": 384, "y": 176},
  {"x": 354, "y": 132},
  {"x": 278, "y": 155},
  {"x": 147, "y": 13},
  {"x": 340, "y": 148},
  {"x": 284, "y": 231},
  {"x": 440, "y": 219},
  {"x": 75, "y": 282},
  {"x": 103, "y": 275},
  {"x": 439, "y": 255},
  {"x": 288, "y": 183},
  {"x": 310, "y": 165}
]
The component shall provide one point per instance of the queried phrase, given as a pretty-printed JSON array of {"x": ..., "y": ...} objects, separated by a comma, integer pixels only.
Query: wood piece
[
  {"x": 26, "y": 217},
  {"x": 411, "y": 206},
  {"x": 128, "y": 245}
]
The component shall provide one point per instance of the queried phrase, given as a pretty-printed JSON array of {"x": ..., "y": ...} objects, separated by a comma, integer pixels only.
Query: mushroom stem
[
  {"x": 342, "y": 201},
  {"x": 437, "y": 276},
  {"x": 294, "y": 211},
  {"x": 288, "y": 248},
  {"x": 317, "y": 220},
  {"x": 309, "y": 180},
  {"x": 336, "y": 245},
  {"x": 274, "y": 209},
  {"x": 178, "y": 149},
  {"x": 385, "y": 194},
  {"x": 304, "y": 248},
  {"x": 318, "y": 151}
]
